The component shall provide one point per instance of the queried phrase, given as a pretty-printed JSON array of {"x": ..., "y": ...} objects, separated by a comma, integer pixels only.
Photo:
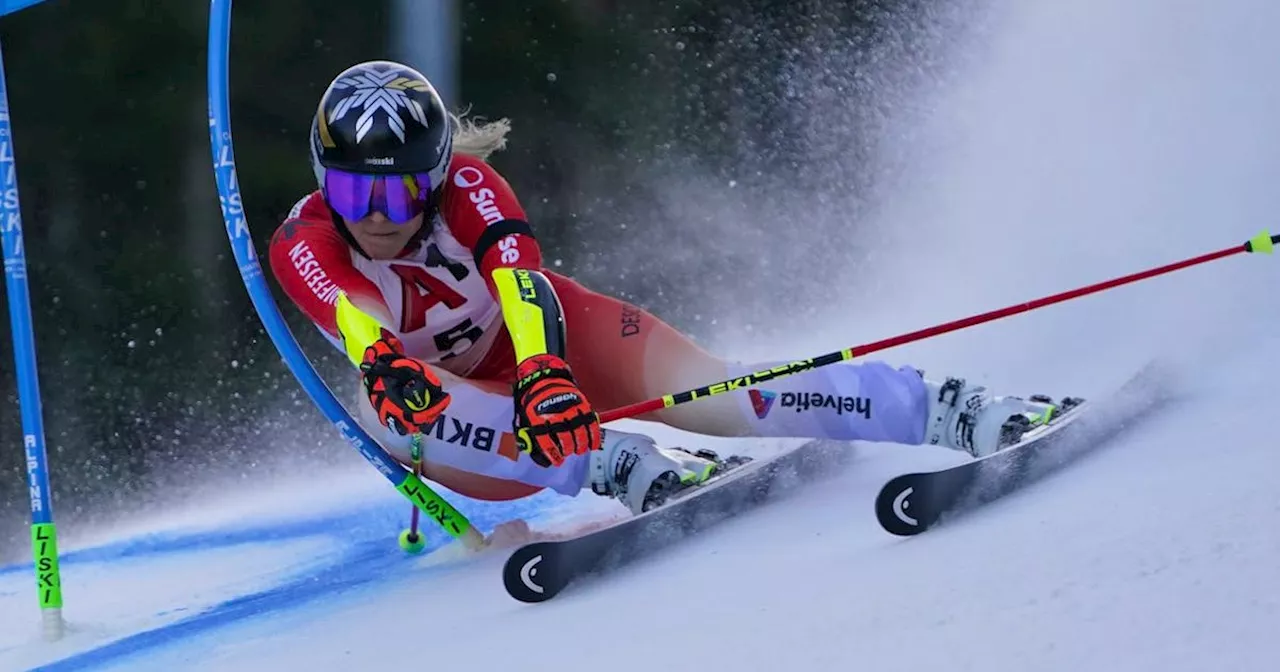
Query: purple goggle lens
[{"x": 354, "y": 196}]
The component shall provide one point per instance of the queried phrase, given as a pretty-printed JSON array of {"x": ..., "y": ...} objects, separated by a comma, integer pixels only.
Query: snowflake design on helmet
[{"x": 371, "y": 92}]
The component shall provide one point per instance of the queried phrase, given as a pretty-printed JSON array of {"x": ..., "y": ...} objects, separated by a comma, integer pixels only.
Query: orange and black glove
[
  {"x": 553, "y": 417},
  {"x": 406, "y": 395}
]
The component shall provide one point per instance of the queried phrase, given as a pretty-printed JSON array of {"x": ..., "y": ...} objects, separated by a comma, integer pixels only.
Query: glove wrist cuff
[{"x": 542, "y": 366}]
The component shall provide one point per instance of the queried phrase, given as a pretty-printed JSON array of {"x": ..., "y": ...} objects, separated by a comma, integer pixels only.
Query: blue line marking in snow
[
  {"x": 176, "y": 542},
  {"x": 365, "y": 560}
]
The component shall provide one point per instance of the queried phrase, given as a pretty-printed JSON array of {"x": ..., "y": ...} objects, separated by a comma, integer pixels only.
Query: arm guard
[{"x": 531, "y": 311}]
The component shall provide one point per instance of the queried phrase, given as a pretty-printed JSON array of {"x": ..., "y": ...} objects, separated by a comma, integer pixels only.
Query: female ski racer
[{"x": 418, "y": 231}]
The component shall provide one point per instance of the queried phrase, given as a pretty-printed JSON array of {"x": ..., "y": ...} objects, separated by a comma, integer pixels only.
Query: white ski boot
[
  {"x": 634, "y": 470},
  {"x": 967, "y": 417}
]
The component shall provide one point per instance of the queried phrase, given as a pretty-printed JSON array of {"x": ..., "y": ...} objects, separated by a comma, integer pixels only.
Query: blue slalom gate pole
[
  {"x": 44, "y": 536},
  {"x": 224, "y": 165},
  {"x": 11, "y": 6}
]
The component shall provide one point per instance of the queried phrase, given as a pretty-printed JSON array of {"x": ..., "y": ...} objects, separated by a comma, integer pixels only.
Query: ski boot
[
  {"x": 634, "y": 470},
  {"x": 967, "y": 417}
]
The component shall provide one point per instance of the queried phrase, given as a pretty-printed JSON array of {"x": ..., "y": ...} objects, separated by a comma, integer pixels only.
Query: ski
[
  {"x": 913, "y": 503},
  {"x": 539, "y": 571}
]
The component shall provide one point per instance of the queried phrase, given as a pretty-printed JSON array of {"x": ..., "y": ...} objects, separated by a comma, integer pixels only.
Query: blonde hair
[{"x": 479, "y": 138}]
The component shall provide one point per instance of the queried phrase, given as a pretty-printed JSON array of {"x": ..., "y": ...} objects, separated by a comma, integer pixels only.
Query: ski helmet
[{"x": 381, "y": 119}]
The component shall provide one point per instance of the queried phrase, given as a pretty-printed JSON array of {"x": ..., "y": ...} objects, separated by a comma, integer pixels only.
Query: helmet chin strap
[
  {"x": 428, "y": 219},
  {"x": 342, "y": 229}
]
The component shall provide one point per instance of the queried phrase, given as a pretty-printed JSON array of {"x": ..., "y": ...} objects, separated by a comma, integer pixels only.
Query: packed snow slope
[{"x": 1084, "y": 140}]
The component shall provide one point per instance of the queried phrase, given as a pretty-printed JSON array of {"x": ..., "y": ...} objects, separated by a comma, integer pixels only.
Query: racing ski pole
[
  {"x": 411, "y": 541},
  {"x": 360, "y": 330},
  {"x": 1261, "y": 243}
]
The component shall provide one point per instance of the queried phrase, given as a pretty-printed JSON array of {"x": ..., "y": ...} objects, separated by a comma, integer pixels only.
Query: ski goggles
[{"x": 399, "y": 198}]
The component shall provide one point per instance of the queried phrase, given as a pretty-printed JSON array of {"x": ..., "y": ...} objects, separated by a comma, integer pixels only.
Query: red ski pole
[{"x": 1261, "y": 243}]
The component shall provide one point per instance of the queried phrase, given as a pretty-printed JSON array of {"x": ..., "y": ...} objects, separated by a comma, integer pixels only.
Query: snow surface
[{"x": 1087, "y": 139}]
